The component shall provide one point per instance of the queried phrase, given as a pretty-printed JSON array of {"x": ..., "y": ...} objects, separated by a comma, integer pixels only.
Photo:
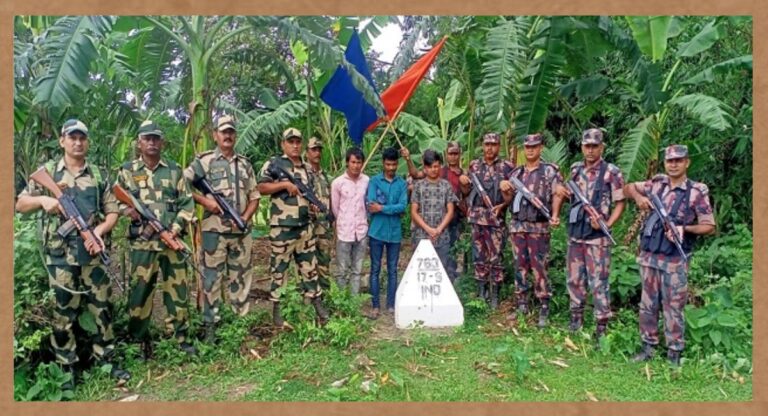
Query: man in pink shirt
[{"x": 348, "y": 205}]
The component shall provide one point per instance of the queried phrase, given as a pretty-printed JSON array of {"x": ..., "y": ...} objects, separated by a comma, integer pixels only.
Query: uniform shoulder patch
[
  {"x": 204, "y": 154},
  {"x": 701, "y": 187},
  {"x": 660, "y": 177}
]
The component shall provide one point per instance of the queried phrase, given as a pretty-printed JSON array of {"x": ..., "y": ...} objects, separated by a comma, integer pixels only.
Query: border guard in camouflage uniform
[
  {"x": 80, "y": 282},
  {"x": 529, "y": 228},
  {"x": 226, "y": 249},
  {"x": 663, "y": 269},
  {"x": 589, "y": 251},
  {"x": 488, "y": 231},
  {"x": 322, "y": 223},
  {"x": 160, "y": 185},
  {"x": 291, "y": 235}
]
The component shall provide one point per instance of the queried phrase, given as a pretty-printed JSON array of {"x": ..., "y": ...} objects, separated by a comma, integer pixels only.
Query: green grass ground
[{"x": 483, "y": 361}]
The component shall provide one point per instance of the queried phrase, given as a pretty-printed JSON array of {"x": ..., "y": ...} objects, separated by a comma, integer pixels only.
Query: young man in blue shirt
[{"x": 386, "y": 200}]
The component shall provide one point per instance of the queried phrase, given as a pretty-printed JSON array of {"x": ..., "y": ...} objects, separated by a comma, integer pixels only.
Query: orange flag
[{"x": 396, "y": 96}]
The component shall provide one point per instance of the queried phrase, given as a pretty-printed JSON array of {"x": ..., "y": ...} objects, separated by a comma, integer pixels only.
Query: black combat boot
[
  {"x": 494, "y": 296},
  {"x": 188, "y": 348},
  {"x": 674, "y": 357},
  {"x": 482, "y": 292},
  {"x": 577, "y": 321},
  {"x": 277, "y": 317},
  {"x": 322, "y": 313},
  {"x": 69, "y": 384},
  {"x": 209, "y": 333},
  {"x": 115, "y": 372},
  {"x": 645, "y": 354},
  {"x": 146, "y": 349},
  {"x": 543, "y": 313},
  {"x": 600, "y": 330}
]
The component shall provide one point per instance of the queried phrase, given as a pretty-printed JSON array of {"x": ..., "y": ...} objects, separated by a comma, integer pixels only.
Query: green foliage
[
  {"x": 651, "y": 33},
  {"x": 504, "y": 55},
  {"x": 539, "y": 85},
  {"x": 709, "y": 111},
  {"x": 347, "y": 324},
  {"x": 69, "y": 50},
  {"x": 32, "y": 295},
  {"x": 624, "y": 278},
  {"x": 46, "y": 384}
]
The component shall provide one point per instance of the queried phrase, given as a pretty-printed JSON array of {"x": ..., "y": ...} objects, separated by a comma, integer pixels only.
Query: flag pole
[
  {"x": 378, "y": 142},
  {"x": 376, "y": 146}
]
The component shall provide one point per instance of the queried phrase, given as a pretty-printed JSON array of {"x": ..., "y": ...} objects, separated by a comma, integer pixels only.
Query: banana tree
[{"x": 641, "y": 146}]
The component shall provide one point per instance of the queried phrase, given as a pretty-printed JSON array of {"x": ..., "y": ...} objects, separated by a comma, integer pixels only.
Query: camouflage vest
[
  {"x": 654, "y": 239},
  {"x": 286, "y": 210},
  {"x": 158, "y": 192},
  {"x": 581, "y": 227},
  {"x": 70, "y": 249},
  {"x": 536, "y": 184},
  {"x": 321, "y": 185}
]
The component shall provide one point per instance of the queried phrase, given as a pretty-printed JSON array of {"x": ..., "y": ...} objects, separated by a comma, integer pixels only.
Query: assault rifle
[
  {"x": 166, "y": 236},
  {"x": 589, "y": 209},
  {"x": 228, "y": 212},
  {"x": 74, "y": 219},
  {"x": 658, "y": 207},
  {"x": 523, "y": 192},
  {"x": 483, "y": 195},
  {"x": 304, "y": 190}
]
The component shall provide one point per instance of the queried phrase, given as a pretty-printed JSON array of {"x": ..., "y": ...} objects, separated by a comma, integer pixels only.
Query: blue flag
[{"x": 340, "y": 94}]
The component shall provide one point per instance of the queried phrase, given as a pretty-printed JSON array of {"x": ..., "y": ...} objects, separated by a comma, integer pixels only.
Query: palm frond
[
  {"x": 556, "y": 153},
  {"x": 68, "y": 52},
  {"x": 651, "y": 33},
  {"x": 538, "y": 89},
  {"x": 708, "y": 110},
  {"x": 270, "y": 124},
  {"x": 503, "y": 67},
  {"x": 637, "y": 148},
  {"x": 742, "y": 63}
]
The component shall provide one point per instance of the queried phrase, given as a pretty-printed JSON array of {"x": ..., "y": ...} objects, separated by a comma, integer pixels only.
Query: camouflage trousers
[
  {"x": 95, "y": 281},
  {"x": 589, "y": 265},
  {"x": 324, "y": 245},
  {"x": 487, "y": 245},
  {"x": 145, "y": 265},
  {"x": 226, "y": 255},
  {"x": 532, "y": 255},
  {"x": 297, "y": 244},
  {"x": 670, "y": 291}
]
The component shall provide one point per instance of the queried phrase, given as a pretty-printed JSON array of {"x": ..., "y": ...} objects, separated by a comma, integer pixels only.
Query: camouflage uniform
[
  {"x": 322, "y": 228},
  {"x": 589, "y": 252},
  {"x": 291, "y": 234},
  {"x": 167, "y": 195},
  {"x": 487, "y": 237},
  {"x": 530, "y": 230},
  {"x": 224, "y": 245},
  {"x": 664, "y": 273},
  {"x": 73, "y": 269}
]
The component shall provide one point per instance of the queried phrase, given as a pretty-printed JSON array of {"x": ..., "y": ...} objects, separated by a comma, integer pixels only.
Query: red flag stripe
[{"x": 397, "y": 95}]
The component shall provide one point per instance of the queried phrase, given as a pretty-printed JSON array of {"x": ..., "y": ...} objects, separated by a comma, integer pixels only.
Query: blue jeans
[{"x": 393, "y": 254}]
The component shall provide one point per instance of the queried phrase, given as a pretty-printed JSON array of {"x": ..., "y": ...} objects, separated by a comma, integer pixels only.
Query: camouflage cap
[
  {"x": 73, "y": 125},
  {"x": 676, "y": 151},
  {"x": 149, "y": 127},
  {"x": 592, "y": 136},
  {"x": 292, "y": 132},
  {"x": 491, "y": 138},
  {"x": 533, "y": 139},
  {"x": 314, "y": 142},
  {"x": 224, "y": 122},
  {"x": 453, "y": 146}
]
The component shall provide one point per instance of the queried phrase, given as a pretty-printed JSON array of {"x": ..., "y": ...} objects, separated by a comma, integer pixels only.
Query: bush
[
  {"x": 346, "y": 324},
  {"x": 32, "y": 295}
]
